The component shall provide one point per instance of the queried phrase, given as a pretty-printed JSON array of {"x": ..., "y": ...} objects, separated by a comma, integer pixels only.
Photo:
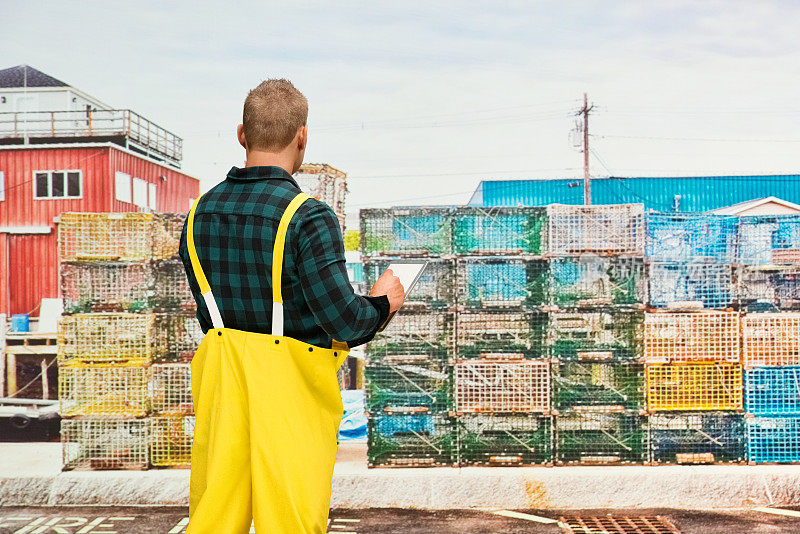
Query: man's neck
[{"x": 270, "y": 159}]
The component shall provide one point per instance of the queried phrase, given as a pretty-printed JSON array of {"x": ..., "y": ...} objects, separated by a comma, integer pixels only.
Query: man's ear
[
  {"x": 302, "y": 137},
  {"x": 240, "y": 136}
]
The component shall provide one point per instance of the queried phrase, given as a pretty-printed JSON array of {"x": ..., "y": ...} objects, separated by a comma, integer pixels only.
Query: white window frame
[
  {"x": 50, "y": 184},
  {"x": 120, "y": 187},
  {"x": 2, "y": 186},
  {"x": 151, "y": 196},
  {"x": 139, "y": 200}
]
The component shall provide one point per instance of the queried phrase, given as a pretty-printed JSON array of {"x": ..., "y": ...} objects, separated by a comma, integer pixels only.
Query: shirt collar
[{"x": 252, "y": 174}]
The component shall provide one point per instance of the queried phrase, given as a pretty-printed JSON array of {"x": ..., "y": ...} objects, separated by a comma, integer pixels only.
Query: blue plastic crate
[
  {"x": 676, "y": 237},
  {"x": 766, "y": 240},
  {"x": 773, "y": 390},
  {"x": 709, "y": 283},
  {"x": 773, "y": 439}
]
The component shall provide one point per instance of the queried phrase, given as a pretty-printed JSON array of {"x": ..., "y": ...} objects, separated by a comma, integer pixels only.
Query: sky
[{"x": 419, "y": 101}]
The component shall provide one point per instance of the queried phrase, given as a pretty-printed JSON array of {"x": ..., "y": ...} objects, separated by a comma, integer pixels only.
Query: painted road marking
[
  {"x": 180, "y": 527},
  {"x": 777, "y": 511},
  {"x": 347, "y": 520},
  {"x": 526, "y": 517}
]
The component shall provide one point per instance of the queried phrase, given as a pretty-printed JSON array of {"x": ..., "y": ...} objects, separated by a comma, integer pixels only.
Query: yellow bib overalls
[{"x": 267, "y": 409}]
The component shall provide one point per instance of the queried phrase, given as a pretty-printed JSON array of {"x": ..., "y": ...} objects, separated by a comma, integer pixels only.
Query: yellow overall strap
[
  {"x": 205, "y": 289},
  {"x": 277, "y": 263}
]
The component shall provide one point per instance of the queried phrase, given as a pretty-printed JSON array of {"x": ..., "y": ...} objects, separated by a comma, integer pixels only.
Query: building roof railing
[{"x": 121, "y": 126}]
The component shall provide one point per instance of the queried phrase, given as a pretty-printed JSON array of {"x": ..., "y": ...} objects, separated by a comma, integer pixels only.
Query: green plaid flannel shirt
[{"x": 234, "y": 231}]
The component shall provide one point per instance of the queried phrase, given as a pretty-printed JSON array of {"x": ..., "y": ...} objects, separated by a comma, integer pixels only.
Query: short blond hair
[{"x": 273, "y": 112}]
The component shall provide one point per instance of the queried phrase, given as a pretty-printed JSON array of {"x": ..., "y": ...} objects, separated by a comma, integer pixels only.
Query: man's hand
[{"x": 388, "y": 284}]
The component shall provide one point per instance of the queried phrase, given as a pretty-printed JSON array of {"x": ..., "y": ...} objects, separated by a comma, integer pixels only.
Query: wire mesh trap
[
  {"x": 610, "y": 229},
  {"x": 598, "y": 386},
  {"x": 413, "y": 231},
  {"x": 773, "y": 390},
  {"x": 166, "y": 229},
  {"x": 410, "y": 440},
  {"x": 694, "y": 386},
  {"x": 429, "y": 334},
  {"x": 176, "y": 336},
  {"x": 171, "y": 291},
  {"x": 681, "y": 237},
  {"x": 103, "y": 390},
  {"x": 171, "y": 440},
  {"x": 773, "y": 439},
  {"x": 324, "y": 183},
  {"x": 601, "y": 335},
  {"x": 105, "y": 236},
  {"x": 170, "y": 389},
  {"x": 501, "y": 282},
  {"x": 106, "y": 286},
  {"x": 104, "y": 443},
  {"x": 771, "y": 339},
  {"x": 499, "y": 230},
  {"x": 99, "y": 337},
  {"x": 434, "y": 289},
  {"x": 773, "y": 288},
  {"x": 590, "y": 281},
  {"x": 501, "y": 334},
  {"x": 618, "y": 524},
  {"x": 704, "y": 285},
  {"x": 702, "y": 336},
  {"x": 600, "y": 438},
  {"x": 510, "y": 440},
  {"x": 697, "y": 438},
  {"x": 406, "y": 388},
  {"x": 502, "y": 386},
  {"x": 769, "y": 239}
]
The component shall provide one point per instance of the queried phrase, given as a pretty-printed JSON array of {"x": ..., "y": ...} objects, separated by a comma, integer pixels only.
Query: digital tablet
[{"x": 408, "y": 273}]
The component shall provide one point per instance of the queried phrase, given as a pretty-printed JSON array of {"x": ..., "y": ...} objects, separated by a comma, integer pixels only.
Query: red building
[{"x": 78, "y": 155}]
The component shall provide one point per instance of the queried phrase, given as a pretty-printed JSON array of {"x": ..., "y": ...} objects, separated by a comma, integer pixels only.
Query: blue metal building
[{"x": 691, "y": 193}]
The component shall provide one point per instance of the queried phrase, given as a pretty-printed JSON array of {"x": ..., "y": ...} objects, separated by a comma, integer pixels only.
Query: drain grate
[{"x": 618, "y": 524}]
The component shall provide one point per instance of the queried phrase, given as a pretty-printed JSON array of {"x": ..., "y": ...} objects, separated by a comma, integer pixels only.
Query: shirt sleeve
[{"x": 344, "y": 315}]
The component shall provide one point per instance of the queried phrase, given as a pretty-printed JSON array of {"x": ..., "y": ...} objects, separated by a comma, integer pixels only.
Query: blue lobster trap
[
  {"x": 769, "y": 240},
  {"x": 711, "y": 284},
  {"x": 410, "y": 440},
  {"x": 678, "y": 237},
  {"x": 773, "y": 439},
  {"x": 694, "y": 438},
  {"x": 412, "y": 231},
  {"x": 501, "y": 282},
  {"x": 773, "y": 390}
]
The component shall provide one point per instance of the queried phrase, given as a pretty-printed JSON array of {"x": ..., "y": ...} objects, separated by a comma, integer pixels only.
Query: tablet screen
[{"x": 408, "y": 273}]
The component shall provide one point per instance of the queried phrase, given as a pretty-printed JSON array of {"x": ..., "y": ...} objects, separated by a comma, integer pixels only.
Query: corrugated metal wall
[
  {"x": 696, "y": 193},
  {"x": 33, "y": 271},
  {"x": 29, "y": 262},
  {"x": 172, "y": 194}
]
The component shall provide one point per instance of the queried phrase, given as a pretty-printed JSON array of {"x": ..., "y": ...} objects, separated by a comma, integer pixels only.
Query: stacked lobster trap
[
  {"x": 596, "y": 301},
  {"x": 128, "y": 318}
]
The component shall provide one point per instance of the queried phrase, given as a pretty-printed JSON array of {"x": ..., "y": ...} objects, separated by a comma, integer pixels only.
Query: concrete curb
[
  {"x": 31, "y": 475},
  {"x": 689, "y": 488}
]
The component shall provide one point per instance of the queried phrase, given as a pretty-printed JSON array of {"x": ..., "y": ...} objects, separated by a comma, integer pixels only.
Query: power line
[{"x": 722, "y": 139}]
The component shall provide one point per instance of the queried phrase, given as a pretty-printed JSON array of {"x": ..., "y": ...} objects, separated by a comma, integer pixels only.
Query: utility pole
[{"x": 587, "y": 181}]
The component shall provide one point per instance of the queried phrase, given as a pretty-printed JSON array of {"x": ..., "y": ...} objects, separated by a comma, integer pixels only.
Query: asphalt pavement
[{"x": 172, "y": 520}]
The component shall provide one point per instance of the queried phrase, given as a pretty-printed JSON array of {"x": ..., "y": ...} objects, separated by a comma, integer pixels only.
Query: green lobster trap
[
  {"x": 599, "y": 386},
  {"x": 411, "y": 387},
  {"x": 501, "y": 334},
  {"x": 409, "y": 333},
  {"x": 697, "y": 438},
  {"x": 434, "y": 288},
  {"x": 596, "y": 335},
  {"x": 504, "y": 440},
  {"x": 592, "y": 438},
  {"x": 501, "y": 282},
  {"x": 411, "y": 231},
  {"x": 499, "y": 230},
  {"x": 591, "y": 281},
  {"x": 410, "y": 440}
]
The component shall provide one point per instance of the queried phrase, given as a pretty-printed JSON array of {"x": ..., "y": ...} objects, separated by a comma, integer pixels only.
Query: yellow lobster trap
[
  {"x": 103, "y": 389},
  {"x": 694, "y": 386},
  {"x": 105, "y": 236},
  {"x": 171, "y": 440},
  {"x": 106, "y": 337}
]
